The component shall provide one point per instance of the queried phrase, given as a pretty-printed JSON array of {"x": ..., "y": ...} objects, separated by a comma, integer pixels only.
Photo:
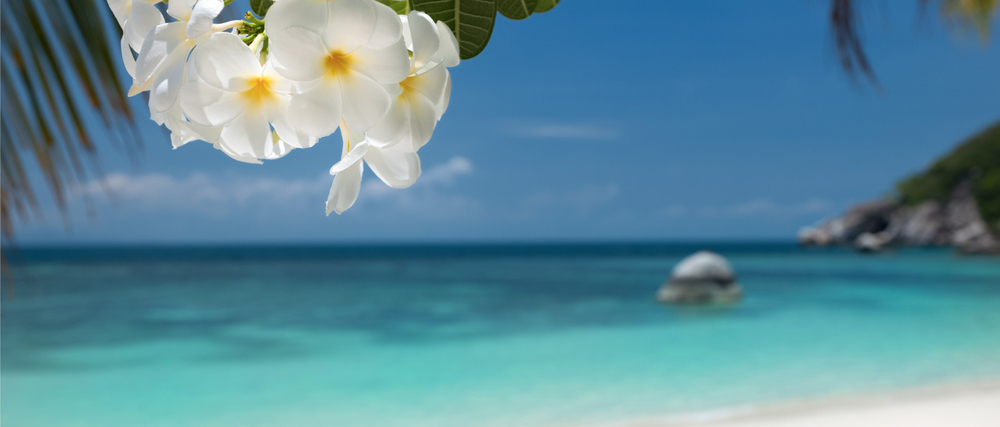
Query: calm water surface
[{"x": 472, "y": 335}]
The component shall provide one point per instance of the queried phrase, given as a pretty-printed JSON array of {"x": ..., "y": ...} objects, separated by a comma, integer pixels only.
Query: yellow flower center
[
  {"x": 338, "y": 63},
  {"x": 260, "y": 91},
  {"x": 407, "y": 87}
]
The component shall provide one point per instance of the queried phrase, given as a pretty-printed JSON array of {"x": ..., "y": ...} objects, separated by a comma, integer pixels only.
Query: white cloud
[
  {"x": 767, "y": 207},
  {"x": 223, "y": 196},
  {"x": 583, "y": 200},
  {"x": 564, "y": 131},
  {"x": 201, "y": 193},
  {"x": 445, "y": 174},
  {"x": 754, "y": 208},
  {"x": 431, "y": 196},
  {"x": 265, "y": 197},
  {"x": 673, "y": 211}
]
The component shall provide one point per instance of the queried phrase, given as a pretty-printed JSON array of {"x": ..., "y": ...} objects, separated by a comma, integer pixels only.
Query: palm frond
[
  {"x": 845, "y": 20},
  {"x": 972, "y": 13},
  {"x": 59, "y": 78}
]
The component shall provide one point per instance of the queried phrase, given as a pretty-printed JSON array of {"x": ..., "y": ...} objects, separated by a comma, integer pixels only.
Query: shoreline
[{"x": 967, "y": 404}]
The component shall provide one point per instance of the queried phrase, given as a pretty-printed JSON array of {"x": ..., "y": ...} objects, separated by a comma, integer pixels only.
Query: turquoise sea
[{"x": 471, "y": 335}]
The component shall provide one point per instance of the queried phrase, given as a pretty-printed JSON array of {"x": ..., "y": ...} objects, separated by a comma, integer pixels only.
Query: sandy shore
[{"x": 965, "y": 405}]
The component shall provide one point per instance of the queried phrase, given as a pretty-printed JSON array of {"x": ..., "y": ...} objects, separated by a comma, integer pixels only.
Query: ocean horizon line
[
  {"x": 405, "y": 242},
  {"x": 202, "y": 252},
  {"x": 401, "y": 249}
]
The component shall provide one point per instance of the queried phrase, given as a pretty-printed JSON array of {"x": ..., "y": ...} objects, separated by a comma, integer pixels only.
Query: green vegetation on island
[{"x": 977, "y": 158}]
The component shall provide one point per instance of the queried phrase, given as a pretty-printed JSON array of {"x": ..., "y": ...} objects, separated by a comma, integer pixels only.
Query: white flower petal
[
  {"x": 180, "y": 9},
  {"x": 245, "y": 159},
  {"x": 425, "y": 39},
  {"x": 350, "y": 24},
  {"x": 205, "y": 133},
  {"x": 357, "y": 152},
  {"x": 158, "y": 118},
  {"x": 388, "y": 28},
  {"x": 431, "y": 83},
  {"x": 404, "y": 21},
  {"x": 299, "y": 52},
  {"x": 276, "y": 82},
  {"x": 202, "y": 15},
  {"x": 345, "y": 189},
  {"x": 277, "y": 114},
  {"x": 392, "y": 127},
  {"x": 180, "y": 139},
  {"x": 161, "y": 41},
  {"x": 224, "y": 61},
  {"x": 365, "y": 101},
  {"x": 300, "y": 87},
  {"x": 194, "y": 131},
  {"x": 284, "y": 14},
  {"x": 169, "y": 78},
  {"x": 248, "y": 134},
  {"x": 388, "y": 65},
  {"x": 127, "y": 57},
  {"x": 143, "y": 19},
  {"x": 317, "y": 112},
  {"x": 209, "y": 106},
  {"x": 446, "y": 96},
  {"x": 423, "y": 119},
  {"x": 121, "y": 9},
  {"x": 278, "y": 148},
  {"x": 139, "y": 88},
  {"x": 448, "y": 52},
  {"x": 396, "y": 169},
  {"x": 183, "y": 131}
]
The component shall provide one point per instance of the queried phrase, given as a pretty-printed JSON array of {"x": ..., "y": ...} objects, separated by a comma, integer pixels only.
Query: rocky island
[{"x": 955, "y": 202}]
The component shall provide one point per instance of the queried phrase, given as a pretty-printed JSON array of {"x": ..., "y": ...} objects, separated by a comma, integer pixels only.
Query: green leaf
[
  {"x": 260, "y": 7},
  {"x": 545, "y": 5},
  {"x": 516, "y": 9},
  {"x": 401, "y": 7},
  {"x": 470, "y": 20}
]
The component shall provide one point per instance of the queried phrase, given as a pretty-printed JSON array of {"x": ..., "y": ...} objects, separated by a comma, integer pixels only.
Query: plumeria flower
[
  {"x": 162, "y": 59},
  {"x": 136, "y": 19},
  {"x": 395, "y": 168},
  {"x": 314, "y": 67},
  {"x": 236, "y": 92},
  {"x": 422, "y": 97},
  {"x": 183, "y": 131},
  {"x": 341, "y": 52}
]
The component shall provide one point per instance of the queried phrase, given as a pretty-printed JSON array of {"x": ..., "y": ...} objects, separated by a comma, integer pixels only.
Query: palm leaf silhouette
[
  {"x": 845, "y": 22},
  {"x": 59, "y": 79}
]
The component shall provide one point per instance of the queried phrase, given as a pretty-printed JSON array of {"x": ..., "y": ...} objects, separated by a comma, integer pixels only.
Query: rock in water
[
  {"x": 869, "y": 242},
  {"x": 704, "y": 277}
]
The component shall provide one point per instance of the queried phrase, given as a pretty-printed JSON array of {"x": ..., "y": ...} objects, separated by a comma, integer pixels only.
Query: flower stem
[
  {"x": 263, "y": 50},
  {"x": 257, "y": 41}
]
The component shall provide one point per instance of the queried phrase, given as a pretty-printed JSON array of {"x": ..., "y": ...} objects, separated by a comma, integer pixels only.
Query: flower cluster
[{"x": 258, "y": 88}]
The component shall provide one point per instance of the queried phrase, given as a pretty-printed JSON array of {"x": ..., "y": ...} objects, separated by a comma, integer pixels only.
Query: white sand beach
[{"x": 966, "y": 405}]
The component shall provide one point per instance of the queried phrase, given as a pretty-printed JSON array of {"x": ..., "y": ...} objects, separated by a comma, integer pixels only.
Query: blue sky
[{"x": 690, "y": 120}]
